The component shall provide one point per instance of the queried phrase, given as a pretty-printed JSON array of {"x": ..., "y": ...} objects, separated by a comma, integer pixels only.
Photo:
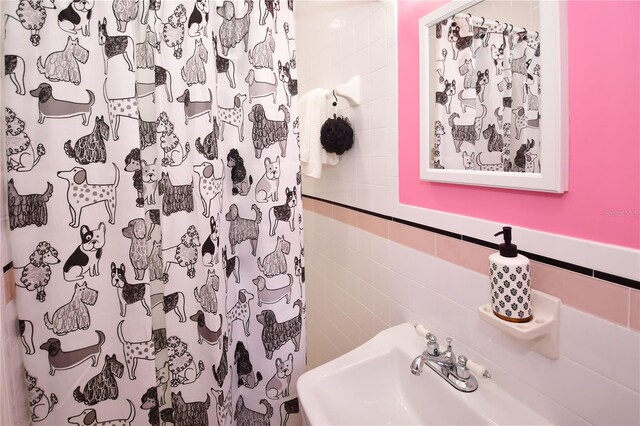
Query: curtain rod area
[{"x": 481, "y": 21}]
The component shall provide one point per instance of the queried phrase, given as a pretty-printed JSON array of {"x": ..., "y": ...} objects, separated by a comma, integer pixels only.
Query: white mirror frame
[{"x": 554, "y": 107}]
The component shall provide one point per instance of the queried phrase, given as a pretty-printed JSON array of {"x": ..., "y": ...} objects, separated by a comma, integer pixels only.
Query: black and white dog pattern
[
  {"x": 153, "y": 192},
  {"x": 487, "y": 99}
]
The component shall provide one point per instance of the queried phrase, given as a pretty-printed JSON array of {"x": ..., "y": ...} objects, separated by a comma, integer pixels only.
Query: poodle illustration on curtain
[
  {"x": 487, "y": 97},
  {"x": 154, "y": 203}
]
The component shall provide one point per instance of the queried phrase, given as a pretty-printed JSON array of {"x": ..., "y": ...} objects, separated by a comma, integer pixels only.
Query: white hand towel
[{"x": 314, "y": 109}]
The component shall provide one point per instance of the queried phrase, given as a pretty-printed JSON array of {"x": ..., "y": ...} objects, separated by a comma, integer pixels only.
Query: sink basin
[{"x": 372, "y": 385}]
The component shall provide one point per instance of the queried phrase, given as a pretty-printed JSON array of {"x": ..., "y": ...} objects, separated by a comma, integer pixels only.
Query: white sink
[{"x": 372, "y": 385}]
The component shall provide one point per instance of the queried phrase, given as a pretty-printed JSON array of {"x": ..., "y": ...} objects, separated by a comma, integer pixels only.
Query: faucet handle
[
  {"x": 461, "y": 368},
  {"x": 433, "y": 348}
]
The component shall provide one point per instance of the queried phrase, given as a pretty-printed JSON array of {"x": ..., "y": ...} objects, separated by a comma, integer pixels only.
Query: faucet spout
[{"x": 417, "y": 365}]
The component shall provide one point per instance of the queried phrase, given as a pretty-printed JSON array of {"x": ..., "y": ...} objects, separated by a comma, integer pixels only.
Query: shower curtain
[
  {"x": 154, "y": 200},
  {"x": 487, "y": 97}
]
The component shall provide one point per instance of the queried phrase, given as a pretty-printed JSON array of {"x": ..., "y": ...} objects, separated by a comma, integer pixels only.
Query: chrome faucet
[{"x": 453, "y": 370}]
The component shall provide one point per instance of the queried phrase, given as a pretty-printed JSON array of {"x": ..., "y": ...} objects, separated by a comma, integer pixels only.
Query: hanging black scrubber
[{"x": 336, "y": 134}]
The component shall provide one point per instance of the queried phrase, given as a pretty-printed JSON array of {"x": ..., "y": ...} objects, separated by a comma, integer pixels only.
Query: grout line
[{"x": 615, "y": 279}]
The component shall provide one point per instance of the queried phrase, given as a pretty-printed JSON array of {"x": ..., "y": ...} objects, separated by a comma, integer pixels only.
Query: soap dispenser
[{"x": 510, "y": 275}]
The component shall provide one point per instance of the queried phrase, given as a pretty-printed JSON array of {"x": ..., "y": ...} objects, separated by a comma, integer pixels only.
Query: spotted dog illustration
[
  {"x": 36, "y": 274},
  {"x": 124, "y": 11},
  {"x": 128, "y": 294},
  {"x": 241, "y": 179},
  {"x": 118, "y": 108},
  {"x": 50, "y": 107},
  {"x": 206, "y": 295},
  {"x": 190, "y": 413},
  {"x": 224, "y": 65},
  {"x": 93, "y": 193},
  {"x": 193, "y": 71},
  {"x": 246, "y": 376},
  {"x": 89, "y": 418},
  {"x": 205, "y": 333},
  {"x": 466, "y": 132},
  {"x": 184, "y": 254},
  {"x": 173, "y": 30},
  {"x": 90, "y": 148},
  {"x": 199, "y": 19},
  {"x": 488, "y": 167},
  {"x": 290, "y": 85},
  {"x": 113, "y": 46},
  {"x": 86, "y": 257},
  {"x": 285, "y": 212},
  {"x": 231, "y": 266},
  {"x": 521, "y": 120},
  {"x": 458, "y": 43},
  {"x": 30, "y": 209},
  {"x": 233, "y": 116},
  {"x": 233, "y": 30},
  {"x": 175, "y": 198},
  {"x": 22, "y": 156},
  {"x": 32, "y": 14},
  {"x": 220, "y": 373},
  {"x": 245, "y": 416},
  {"x": 75, "y": 314},
  {"x": 261, "y": 56},
  {"x": 162, "y": 77},
  {"x": 211, "y": 246},
  {"x": 64, "y": 65},
  {"x": 278, "y": 385},
  {"x": 14, "y": 68},
  {"x": 210, "y": 186},
  {"x": 60, "y": 359},
  {"x": 275, "y": 334},
  {"x": 275, "y": 263},
  {"x": 103, "y": 386},
  {"x": 194, "y": 109},
  {"x": 174, "y": 154},
  {"x": 133, "y": 351},
  {"x": 267, "y": 132},
  {"x": 209, "y": 149},
  {"x": 241, "y": 311},
  {"x": 242, "y": 229},
  {"x": 497, "y": 54},
  {"x": 40, "y": 405},
  {"x": 267, "y": 187},
  {"x": 272, "y": 295},
  {"x": 444, "y": 98},
  {"x": 25, "y": 330},
  {"x": 182, "y": 366},
  {"x": 494, "y": 138}
]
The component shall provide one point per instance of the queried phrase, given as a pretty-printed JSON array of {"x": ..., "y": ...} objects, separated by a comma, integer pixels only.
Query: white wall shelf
[{"x": 541, "y": 333}]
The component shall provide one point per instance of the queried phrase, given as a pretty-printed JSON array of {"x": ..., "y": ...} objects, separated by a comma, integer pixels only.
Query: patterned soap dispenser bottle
[{"x": 510, "y": 281}]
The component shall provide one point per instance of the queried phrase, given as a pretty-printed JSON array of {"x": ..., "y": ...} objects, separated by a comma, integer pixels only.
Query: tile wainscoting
[{"x": 366, "y": 273}]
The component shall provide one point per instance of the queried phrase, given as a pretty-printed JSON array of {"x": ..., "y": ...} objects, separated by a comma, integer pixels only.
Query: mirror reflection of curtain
[{"x": 487, "y": 96}]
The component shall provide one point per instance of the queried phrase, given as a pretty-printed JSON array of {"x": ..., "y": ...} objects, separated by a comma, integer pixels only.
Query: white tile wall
[{"x": 359, "y": 284}]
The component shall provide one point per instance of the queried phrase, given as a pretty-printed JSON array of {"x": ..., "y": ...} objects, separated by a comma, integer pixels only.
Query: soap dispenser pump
[{"x": 510, "y": 276}]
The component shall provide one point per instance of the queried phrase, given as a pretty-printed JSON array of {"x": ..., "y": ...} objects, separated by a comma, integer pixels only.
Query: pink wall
[{"x": 604, "y": 170}]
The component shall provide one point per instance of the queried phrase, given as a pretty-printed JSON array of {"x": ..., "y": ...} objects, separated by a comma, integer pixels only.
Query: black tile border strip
[
  {"x": 6, "y": 267},
  {"x": 616, "y": 279}
]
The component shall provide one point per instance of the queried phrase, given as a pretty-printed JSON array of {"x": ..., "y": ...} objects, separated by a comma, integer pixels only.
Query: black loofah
[{"x": 336, "y": 135}]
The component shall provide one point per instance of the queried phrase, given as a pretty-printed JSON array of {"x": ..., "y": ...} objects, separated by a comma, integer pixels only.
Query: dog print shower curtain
[
  {"x": 153, "y": 181},
  {"x": 487, "y": 97}
]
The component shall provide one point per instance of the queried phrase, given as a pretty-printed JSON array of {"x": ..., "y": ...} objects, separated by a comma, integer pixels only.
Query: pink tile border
[
  {"x": 597, "y": 297},
  {"x": 409, "y": 236},
  {"x": 634, "y": 307},
  {"x": 609, "y": 301},
  {"x": 462, "y": 253}
]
